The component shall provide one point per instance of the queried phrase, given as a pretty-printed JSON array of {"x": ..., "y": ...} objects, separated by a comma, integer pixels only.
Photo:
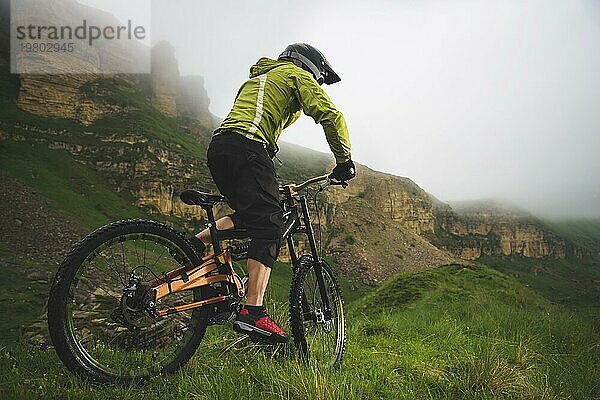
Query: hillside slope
[
  {"x": 144, "y": 137},
  {"x": 586, "y": 233},
  {"x": 455, "y": 332}
]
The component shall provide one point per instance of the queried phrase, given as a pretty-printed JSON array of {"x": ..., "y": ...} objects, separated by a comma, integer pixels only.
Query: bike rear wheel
[
  {"x": 104, "y": 333},
  {"x": 318, "y": 337}
]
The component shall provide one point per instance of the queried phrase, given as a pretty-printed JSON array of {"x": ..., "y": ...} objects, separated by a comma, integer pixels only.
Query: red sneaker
[{"x": 261, "y": 328}]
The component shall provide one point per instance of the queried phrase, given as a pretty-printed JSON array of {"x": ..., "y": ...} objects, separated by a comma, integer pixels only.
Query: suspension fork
[
  {"x": 316, "y": 259},
  {"x": 293, "y": 257},
  {"x": 291, "y": 226}
]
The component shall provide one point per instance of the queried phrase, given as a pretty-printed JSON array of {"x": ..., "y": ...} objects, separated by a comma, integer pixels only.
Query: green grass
[
  {"x": 140, "y": 116},
  {"x": 22, "y": 299},
  {"x": 585, "y": 233},
  {"x": 71, "y": 187},
  {"x": 570, "y": 281},
  {"x": 448, "y": 333},
  {"x": 299, "y": 163},
  {"x": 529, "y": 331},
  {"x": 11, "y": 114}
]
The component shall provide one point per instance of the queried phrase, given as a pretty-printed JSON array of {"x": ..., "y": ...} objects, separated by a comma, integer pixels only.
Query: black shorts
[{"x": 245, "y": 174}]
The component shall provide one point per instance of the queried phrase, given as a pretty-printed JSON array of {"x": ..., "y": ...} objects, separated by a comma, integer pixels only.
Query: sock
[
  {"x": 256, "y": 311},
  {"x": 198, "y": 245}
]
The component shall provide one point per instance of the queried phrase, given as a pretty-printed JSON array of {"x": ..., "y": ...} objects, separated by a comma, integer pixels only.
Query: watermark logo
[{"x": 80, "y": 37}]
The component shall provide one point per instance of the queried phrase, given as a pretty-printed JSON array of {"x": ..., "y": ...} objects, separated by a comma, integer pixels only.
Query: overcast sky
[{"x": 470, "y": 99}]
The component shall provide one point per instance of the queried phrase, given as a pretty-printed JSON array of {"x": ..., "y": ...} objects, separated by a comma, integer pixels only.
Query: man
[{"x": 240, "y": 161}]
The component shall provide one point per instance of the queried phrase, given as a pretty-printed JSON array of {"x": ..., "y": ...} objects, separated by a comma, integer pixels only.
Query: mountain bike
[{"x": 133, "y": 300}]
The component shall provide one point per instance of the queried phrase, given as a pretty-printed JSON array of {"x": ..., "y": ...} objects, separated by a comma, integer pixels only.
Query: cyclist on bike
[{"x": 240, "y": 161}]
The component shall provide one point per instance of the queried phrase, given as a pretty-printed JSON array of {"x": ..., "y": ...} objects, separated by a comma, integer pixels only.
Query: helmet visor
[{"x": 329, "y": 74}]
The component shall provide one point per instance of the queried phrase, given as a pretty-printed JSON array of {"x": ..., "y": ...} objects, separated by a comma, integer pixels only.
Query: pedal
[
  {"x": 221, "y": 318},
  {"x": 223, "y": 312}
]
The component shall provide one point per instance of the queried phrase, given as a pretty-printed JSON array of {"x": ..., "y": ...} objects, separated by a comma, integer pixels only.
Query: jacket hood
[{"x": 264, "y": 65}]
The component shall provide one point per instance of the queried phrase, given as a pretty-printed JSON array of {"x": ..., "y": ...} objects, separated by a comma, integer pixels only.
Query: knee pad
[
  {"x": 238, "y": 221},
  {"x": 264, "y": 251}
]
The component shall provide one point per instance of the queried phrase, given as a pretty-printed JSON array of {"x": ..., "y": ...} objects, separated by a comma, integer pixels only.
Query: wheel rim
[
  {"x": 323, "y": 336},
  {"x": 118, "y": 336}
]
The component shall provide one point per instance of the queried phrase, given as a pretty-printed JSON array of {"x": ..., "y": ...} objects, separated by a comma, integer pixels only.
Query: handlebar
[
  {"x": 314, "y": 180},
  {"x": 311, "y": 181}
]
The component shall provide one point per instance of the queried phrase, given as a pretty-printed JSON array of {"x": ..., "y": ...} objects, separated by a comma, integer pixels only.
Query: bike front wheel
[{"x": 319, "y": 333}]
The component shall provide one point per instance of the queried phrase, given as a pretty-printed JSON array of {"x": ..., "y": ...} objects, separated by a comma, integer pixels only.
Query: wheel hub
[
  {"x": 134, "y": 303},
  {"x": 319, "y": 316}
]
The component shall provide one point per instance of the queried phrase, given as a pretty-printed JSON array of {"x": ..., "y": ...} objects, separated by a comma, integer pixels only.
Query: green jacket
[{"x": 271, "y": 100}]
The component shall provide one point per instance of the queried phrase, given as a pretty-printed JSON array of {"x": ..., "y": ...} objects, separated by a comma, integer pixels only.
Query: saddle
[{"x": 195, "y": 197}]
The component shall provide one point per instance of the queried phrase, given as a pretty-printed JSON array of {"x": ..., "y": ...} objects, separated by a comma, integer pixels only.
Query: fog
[{"x": 470, "y": 99}]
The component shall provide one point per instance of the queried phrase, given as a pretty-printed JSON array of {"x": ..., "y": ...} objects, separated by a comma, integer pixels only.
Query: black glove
[{"x": 344, "y": 171}]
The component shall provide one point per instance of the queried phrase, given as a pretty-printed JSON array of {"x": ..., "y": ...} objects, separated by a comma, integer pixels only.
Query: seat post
[{"x": 212, "y": 226}]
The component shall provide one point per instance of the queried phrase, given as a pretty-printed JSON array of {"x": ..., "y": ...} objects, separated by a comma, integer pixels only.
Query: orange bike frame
[{"x": 183, "y": 278}]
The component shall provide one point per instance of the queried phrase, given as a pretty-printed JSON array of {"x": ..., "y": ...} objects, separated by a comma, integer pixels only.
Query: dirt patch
[
  {"x": 30, "y": 228},
  {"x": 34, "y": 241}
]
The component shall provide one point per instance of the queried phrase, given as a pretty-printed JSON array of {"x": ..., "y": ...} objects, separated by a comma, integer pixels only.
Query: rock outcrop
[
  {"x": 164, "y": 78},
  {"x": 371, "y": 236},
  {"x": 65, "y": 94},
  {"x": 489, "y": 228},
  {"x": 193, "y": 102},
  {"x": 62, "y": 96},
  {"x": 380, "y": 225},
  {"x": 398, "y": 198},
  {"x": 375, "y": 204}
]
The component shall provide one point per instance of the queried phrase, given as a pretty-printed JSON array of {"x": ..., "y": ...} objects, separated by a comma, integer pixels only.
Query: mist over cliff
[
  {"x": 472, "y": 100},
  {"x": 145, "y": 135}
]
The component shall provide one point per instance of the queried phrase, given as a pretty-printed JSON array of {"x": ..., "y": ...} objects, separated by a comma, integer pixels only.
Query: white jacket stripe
[{"x": 259, "y": 103}]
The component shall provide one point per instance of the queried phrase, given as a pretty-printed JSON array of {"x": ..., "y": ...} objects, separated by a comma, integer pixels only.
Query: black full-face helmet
[{"x": 312, "y": 60}]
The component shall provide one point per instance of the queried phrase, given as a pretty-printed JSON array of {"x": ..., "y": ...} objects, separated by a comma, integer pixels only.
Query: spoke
[
  {"x": 104, "y": 290},
  {"x": 108, "y": 342},
  {"x": 85, "y": 340},
  {"x": 314, "y": 291},
  {"x": 322, "y": 338},
  {"x": 144, "y": 260},
  {"x": 124, "y": 263},
  {"x": 113, "y": 338},
  {"x": 137, "y": 256},
  {"x": 117, "y": 349},
  {"x": 110, "y": 259},
  {"x": 110, "y": 266},
  {"x": 160, "y": 256},
  {"x": 314, "y": 337}
]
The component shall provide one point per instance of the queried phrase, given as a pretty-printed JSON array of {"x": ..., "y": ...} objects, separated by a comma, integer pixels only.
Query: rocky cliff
[
  {"x": 164, "y": 78},
  {"x": 68, "y": 96},
  {"x": 377, "y": 226},
  {"x": 192, "y": 101},
  {"x": 467, "y": 230},
  {"x": 473, "y": 229},
  {"x": 60, "y": 95},
  {"x": 63, "y": 94},
  {"x": 147, "y": 135}
]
